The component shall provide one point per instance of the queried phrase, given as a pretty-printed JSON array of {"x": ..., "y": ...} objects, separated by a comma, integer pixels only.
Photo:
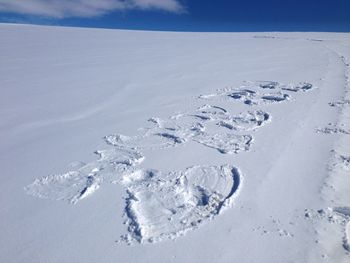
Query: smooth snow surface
[{"x": 174, "y": 147}]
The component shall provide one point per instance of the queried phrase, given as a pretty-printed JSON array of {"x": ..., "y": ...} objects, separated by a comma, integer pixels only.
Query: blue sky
[{"x": 184, "y": 15}]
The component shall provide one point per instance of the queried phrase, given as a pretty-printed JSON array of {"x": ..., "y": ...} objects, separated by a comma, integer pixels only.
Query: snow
[
  {"x": 159, "y": 208},
  {"x": 180, "y": 147}
]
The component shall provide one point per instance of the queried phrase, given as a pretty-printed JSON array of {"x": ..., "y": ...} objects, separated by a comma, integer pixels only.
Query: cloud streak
[{"x": 85, "y": 8}]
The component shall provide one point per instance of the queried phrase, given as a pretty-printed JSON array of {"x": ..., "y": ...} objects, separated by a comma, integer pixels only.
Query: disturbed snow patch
[
  {"x": 192, "y": 126},
  {"x": 276, "y": 97},
  {"x": 246, "y": 121},
  {"x": 154, "y": 141},
  {"x": 338, "y": 216},
  {"x": 166, "y": 206},
  {"x": 332, "y": 129},
  {"x": 78, "y": 184},
  {"x": 340, "y": 103},
  {"x": 259, "y": 92},
  {"x": 225, "y": 143},
  {"x": 298, "y": 87},
  {"x": 245, "y": 95},
  {"x": 341, "y": 161}
]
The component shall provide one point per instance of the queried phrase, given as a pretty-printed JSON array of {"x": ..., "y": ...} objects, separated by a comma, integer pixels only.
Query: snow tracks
[{"x": 161, "y": 205}]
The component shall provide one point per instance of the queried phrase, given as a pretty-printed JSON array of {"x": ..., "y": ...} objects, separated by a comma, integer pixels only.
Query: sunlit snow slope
[{"x": 130, "y": 146}]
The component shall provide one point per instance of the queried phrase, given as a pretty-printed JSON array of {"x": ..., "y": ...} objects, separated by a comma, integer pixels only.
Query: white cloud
[{"x": 84, "y": 8}]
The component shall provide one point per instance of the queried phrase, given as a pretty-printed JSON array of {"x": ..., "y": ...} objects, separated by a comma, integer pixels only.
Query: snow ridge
[{"x": 336, "y": 185}]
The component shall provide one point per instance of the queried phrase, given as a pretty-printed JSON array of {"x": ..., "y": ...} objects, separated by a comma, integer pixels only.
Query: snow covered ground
[{"x": 127, "y": 146}]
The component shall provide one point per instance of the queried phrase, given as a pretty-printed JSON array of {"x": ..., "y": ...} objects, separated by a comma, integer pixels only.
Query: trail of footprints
[{"x": 165, "y": 205}]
